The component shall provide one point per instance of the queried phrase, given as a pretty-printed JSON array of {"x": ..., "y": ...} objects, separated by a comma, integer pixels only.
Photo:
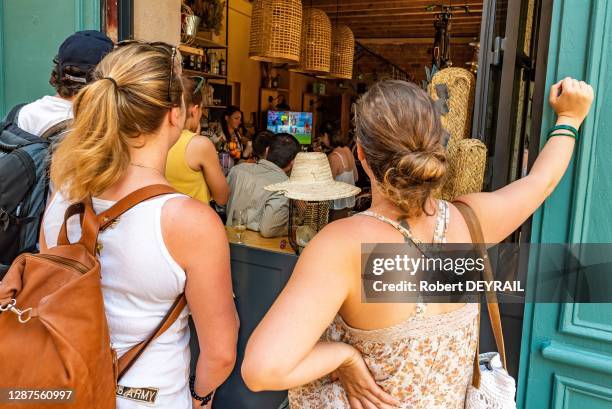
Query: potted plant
[{"x": 211, "y": 13}]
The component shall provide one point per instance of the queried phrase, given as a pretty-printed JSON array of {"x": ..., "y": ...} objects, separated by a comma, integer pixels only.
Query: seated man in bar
[{"x": 267, "y": 212}]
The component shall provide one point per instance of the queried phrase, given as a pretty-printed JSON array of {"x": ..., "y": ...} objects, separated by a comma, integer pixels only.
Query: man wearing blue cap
[
  {"x": 77, "y": 57},
  {"x": 28, "y": 130}
]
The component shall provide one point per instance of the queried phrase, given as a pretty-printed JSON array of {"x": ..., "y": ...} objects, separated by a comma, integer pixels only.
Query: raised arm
[
  {"x": 196, "y": 239},
  {"x": 503, "y": 211},
  {"x": 206, "y": 154}
]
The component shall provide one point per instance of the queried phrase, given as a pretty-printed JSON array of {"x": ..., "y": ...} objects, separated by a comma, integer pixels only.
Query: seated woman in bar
[
  {"x": 192, "y": 166},
  {"x": 330, "y": 349}
]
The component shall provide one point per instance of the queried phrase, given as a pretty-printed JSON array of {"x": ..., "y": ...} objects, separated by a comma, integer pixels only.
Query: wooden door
[{"x": 566, "y": 359}]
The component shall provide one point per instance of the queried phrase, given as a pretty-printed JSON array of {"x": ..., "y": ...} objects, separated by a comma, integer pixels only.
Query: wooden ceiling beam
[
  {"x": 395, "y": 24},
  {"x": 366, "y": 5},
  {"x": 410, "y": 40},
  {"x": 409, "y": 34},
  {"x": 406, "y": 16}
]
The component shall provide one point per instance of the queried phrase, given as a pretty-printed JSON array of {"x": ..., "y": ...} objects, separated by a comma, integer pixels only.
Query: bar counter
[
  {"x": 260, "y": 270},
  {"x": 254, "y": 240}
]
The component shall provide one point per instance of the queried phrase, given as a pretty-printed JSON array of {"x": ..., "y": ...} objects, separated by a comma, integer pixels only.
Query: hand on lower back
[{"x": 360, "y": 386}]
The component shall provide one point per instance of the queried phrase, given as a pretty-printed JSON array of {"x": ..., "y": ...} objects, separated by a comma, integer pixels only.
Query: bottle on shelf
[
  {"x": 199, "y": 63},
  {"x": 214, "y": 64},
  {"x": 205, "y": 62},
  {"x": 222, "y": 67},
  {"x": 211, "y": 62}
]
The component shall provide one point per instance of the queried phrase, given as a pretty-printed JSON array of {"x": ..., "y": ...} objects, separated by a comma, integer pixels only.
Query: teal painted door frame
[
  {"x": 30, "y": 34},
  {"x": 566, "y": 357}
]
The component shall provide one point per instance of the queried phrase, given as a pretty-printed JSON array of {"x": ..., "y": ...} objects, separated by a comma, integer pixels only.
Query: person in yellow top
[{"x": 192, "y": 166}]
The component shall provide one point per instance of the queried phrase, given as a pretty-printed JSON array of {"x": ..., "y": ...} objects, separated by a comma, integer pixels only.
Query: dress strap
[
  {"x": 341, "y": 160},
  {"x": 402, "y": 229},
  {"x": 442, "y": 222}
]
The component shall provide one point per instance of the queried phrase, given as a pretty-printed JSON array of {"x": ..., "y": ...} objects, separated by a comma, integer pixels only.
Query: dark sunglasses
[{"x": 159, "y": 45}]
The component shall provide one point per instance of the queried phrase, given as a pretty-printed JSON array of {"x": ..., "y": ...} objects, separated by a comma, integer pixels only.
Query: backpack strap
[
  {"x": 12, "y": 115},
  {"x": 103, "y": 220},
  {"x": 492, "y": 305},
  {"x": 56, "y": 129},
  {"x": 107, "y": 217},
  {"x": 127, "y": 360}
]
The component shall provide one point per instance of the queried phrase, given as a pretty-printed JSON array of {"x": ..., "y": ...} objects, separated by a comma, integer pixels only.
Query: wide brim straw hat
[{"x": 311, "y": 179}]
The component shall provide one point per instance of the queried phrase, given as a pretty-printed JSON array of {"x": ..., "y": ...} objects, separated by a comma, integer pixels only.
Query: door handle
[{"x": 499, "y": 45}]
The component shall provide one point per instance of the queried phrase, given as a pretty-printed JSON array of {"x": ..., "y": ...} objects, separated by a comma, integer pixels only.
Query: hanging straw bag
[{"x": 492, "y": 387}]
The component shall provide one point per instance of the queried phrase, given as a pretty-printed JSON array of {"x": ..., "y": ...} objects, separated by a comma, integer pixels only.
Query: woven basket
[
  {"x": 306, "y": 218},
  {"x": 467, "y": 160},
  {"x": 342, "y": 53},
  {"x": 276, "y": 31},
  {"x": 461, "y": 85},
  {"x": 316, "y": 42}
]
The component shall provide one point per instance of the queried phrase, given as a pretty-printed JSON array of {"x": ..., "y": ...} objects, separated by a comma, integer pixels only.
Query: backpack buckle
[
  {"x": 23, "y": 315},
  {"x": 5, "y": 219}
]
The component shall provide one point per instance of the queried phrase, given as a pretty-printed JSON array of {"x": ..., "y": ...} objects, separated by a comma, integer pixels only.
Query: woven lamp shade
[
  {"x": 461, "y": 85},
  {"x": 316, "y": 42},
  {"x": 342, "y": 53},
  {"x": 276, "y": 31},
  {"x": 467, "y": 159}
]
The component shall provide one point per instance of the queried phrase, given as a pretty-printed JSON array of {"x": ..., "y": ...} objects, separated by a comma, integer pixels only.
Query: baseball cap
[{"x": 84, "y": 50}]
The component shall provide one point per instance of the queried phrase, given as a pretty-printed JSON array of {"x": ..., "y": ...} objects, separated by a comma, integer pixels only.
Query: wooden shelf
[
  {"x": 203, "y": 42},
  {"x": 215, "y": 107},
  {"x": 203, "y": 74},
  {"x": 277, "y": 89},
  {"x": 183, "y": 48}
]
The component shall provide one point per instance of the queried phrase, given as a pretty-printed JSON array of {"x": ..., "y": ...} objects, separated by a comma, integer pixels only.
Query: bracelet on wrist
[
  {"x": 571, "y": 129},
  {"x": 571, "y": 135},
  {"x": 203, "y": 399}
]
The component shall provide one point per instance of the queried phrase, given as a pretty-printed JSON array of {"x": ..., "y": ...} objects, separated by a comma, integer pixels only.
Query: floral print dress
[{"x": 425, "y": 362}]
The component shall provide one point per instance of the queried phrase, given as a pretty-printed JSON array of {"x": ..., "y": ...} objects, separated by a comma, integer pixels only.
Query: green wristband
[
  {"x": 571, "y": 135},
  {"x": 564, "y": 128}
]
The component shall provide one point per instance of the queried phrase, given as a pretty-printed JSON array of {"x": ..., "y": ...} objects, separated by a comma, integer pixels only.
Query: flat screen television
[{"x": 298, "y": 124}]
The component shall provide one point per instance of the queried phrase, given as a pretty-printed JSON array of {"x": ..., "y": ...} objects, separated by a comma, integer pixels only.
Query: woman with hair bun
[
  {"x": 124, "y": 124},
  {"x": 331, "y": 350}
]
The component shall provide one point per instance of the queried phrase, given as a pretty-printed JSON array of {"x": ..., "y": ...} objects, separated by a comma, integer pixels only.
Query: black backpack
[{"x": 24, "y": 181}]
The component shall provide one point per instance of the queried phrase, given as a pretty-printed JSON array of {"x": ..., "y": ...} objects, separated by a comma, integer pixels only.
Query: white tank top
[
  {"x": 346, "y": 176},
  {"x": 140, "y": 282}
]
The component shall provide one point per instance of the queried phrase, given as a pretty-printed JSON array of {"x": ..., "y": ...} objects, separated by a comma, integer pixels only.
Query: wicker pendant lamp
[
  {"x": 343, "y": 51},
  {"x": 276, "y": 31},
  {"x": 316, "y": 42}
]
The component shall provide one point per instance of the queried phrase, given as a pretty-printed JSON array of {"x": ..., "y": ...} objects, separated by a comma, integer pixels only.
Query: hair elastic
[{"x": 111, "y": 80}]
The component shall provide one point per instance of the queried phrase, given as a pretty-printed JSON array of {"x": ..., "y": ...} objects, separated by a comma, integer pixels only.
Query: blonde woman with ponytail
[
  {"x": 331, "y": 350},
  {"x": 125, "y": 123}
]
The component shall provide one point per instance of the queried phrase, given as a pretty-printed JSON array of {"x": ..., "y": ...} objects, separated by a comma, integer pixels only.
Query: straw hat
[{"x": 311, "y": 179}]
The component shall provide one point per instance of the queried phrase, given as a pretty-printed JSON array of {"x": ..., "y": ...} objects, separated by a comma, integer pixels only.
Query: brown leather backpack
[{"x": 54, "y": 333}]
